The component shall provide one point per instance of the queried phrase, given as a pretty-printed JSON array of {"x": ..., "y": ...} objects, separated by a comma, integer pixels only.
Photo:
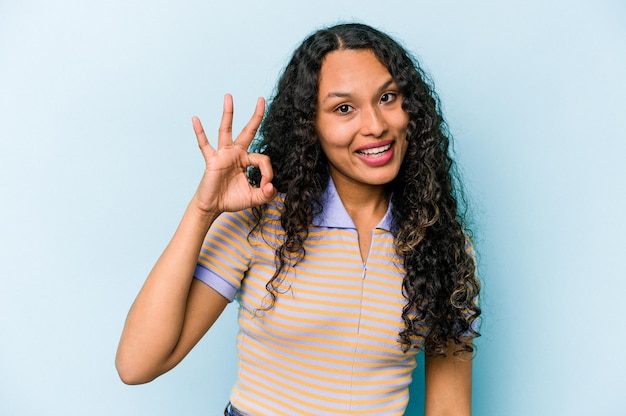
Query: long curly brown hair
[{"x": 440, "y": 286}]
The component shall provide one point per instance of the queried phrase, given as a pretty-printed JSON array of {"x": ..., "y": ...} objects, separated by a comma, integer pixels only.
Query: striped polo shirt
[{"x": 329, "y": 345}]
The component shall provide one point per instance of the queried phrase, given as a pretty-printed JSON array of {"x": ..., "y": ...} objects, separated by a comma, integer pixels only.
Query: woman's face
[{"x": 360, "y": 122}]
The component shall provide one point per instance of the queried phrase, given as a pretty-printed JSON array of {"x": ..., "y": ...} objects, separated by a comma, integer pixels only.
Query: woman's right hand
[{"x": 224, "y": 185}]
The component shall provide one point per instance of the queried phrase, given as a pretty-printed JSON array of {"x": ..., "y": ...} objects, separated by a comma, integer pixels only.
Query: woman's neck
[{"x": 366, "y": 204}]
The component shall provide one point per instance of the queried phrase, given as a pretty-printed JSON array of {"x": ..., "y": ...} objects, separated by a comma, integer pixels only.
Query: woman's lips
[{"x": 376, "y": 155}]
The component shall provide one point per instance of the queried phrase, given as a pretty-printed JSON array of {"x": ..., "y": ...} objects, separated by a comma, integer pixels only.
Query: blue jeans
[{"x": 232, "y": 411}]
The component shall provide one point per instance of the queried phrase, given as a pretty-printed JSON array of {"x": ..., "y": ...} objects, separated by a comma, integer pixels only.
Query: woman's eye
[
  {"x": 387, "y": 97},
  {"x": 344, "y": 109}
]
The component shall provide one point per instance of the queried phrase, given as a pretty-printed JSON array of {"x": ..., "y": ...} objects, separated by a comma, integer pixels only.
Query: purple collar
[{"x": 334, "y": 214}]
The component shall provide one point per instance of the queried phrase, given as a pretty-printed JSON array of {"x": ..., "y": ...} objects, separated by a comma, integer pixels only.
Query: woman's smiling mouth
[
  {"x": 375, "y": 151},
  {"x": 376, "y": 156}
]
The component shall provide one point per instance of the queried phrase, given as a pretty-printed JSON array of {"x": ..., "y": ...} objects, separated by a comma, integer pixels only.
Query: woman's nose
[{"x": 372, "y": 122}]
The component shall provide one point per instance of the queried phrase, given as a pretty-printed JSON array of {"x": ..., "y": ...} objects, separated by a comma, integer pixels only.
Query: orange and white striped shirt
[{"x": 329, "y": 345}]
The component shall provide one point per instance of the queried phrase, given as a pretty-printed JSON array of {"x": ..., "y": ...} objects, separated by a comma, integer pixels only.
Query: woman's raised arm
[{"x": 172, "y": 310}]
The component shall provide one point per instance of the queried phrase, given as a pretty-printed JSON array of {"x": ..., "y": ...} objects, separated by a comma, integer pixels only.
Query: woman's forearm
[{"x": 155, "y": 321}]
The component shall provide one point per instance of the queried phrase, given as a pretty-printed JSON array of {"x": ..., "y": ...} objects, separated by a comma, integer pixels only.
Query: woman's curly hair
[{"x": 440, "y": 286}]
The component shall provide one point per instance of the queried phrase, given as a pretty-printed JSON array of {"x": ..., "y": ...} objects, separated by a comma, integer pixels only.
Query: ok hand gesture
[{"x": 224, "y": 185}]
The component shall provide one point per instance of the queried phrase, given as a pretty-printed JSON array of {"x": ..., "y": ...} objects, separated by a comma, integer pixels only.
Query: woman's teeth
[{"x": 375, "y": 150}]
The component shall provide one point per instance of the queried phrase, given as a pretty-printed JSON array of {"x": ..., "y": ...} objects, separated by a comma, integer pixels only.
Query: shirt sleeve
[{"x": 226, "y": 254}]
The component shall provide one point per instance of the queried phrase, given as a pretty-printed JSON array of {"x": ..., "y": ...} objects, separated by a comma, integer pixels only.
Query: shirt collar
[{"x": 334, "y": 214}]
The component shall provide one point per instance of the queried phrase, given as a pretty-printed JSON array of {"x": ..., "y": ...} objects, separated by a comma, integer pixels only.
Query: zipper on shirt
[{"x": 358, "y": 328}]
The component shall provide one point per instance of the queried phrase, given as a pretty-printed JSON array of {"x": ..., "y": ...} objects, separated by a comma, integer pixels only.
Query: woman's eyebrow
[
  {"x": 386, "y": 84},
  {"x": 341, "y": 94}
]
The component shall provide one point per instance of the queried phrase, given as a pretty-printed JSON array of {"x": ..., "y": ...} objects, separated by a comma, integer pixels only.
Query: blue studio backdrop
[{"x": 98, "y": 161}]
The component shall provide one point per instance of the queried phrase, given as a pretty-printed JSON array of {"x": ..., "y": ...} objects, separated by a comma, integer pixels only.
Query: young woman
[{"x": 339, "y": 235}]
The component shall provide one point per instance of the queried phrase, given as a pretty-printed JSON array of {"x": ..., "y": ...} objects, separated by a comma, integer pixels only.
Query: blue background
[{"x": 98, "y": 160}]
